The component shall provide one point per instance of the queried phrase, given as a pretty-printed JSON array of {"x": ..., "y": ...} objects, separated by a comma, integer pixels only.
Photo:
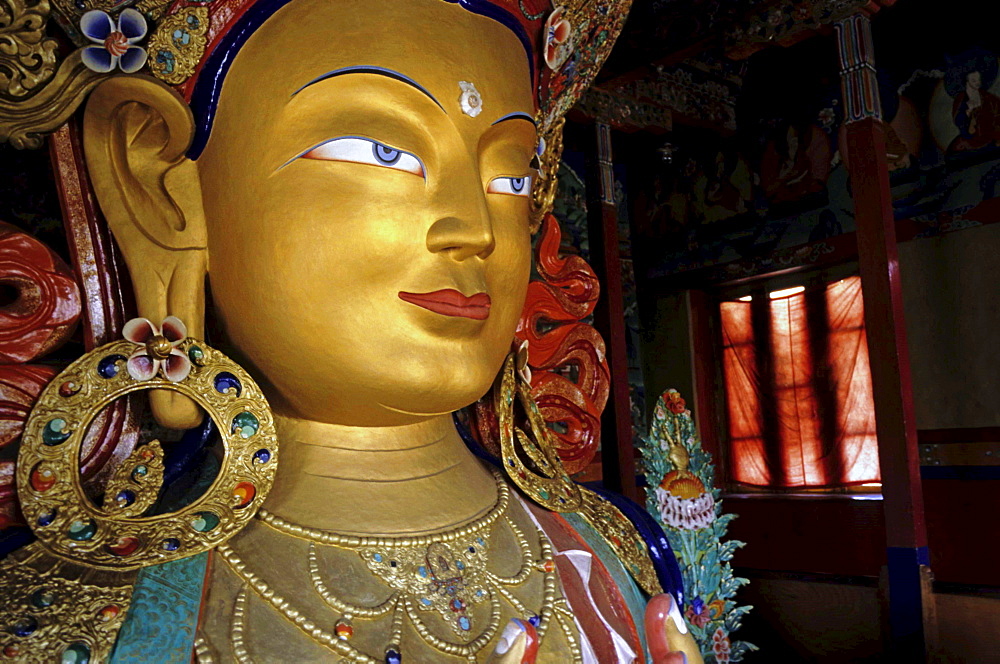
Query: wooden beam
[
  {"x": 617, "y": 450},
  {"x": 906, "y": 538}
]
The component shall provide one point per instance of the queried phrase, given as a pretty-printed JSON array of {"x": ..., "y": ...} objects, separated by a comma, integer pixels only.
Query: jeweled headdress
[{"x": 184, "y": 43}]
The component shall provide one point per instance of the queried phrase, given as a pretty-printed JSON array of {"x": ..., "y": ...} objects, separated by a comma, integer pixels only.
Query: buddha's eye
[
  {"x": 366, "y": 151},
  {"x": 512, "y": 186}
]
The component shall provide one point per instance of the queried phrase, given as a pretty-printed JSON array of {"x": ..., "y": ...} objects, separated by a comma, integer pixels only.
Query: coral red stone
[
  {"x": 243, "y": 494},
  {"x": 42, "y": 478},
  {"x": 125, "y": 546},
  {"x": 109, "y": 613}
]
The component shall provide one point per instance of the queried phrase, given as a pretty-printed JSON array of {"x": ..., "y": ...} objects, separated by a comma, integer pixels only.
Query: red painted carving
[
  {"x": 47, "y": 305},
  {"x": 570, "y": 380}
]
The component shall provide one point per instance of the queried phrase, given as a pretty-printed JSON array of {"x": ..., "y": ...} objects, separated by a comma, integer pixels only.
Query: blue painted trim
[
  {"x": 516, "y": 115},
  {"x": 960, "y": 472},
  {"x": 905, "y": 602},
  {"x": 377, "y": 71}
]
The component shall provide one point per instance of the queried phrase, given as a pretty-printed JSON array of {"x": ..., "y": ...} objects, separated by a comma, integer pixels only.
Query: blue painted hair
[{"x": 205, "y": 96}]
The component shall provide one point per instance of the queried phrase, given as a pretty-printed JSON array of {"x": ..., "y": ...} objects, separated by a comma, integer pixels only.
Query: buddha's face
[{"x": 352, "y": 203}]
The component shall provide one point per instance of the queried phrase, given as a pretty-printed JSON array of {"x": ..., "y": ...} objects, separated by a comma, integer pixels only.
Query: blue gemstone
[
  {"x": 125, "y": 498},
  {"x": 261, "y": 456},
  {"x": 480, "y": 541},
  {"x": 170, "y": 544},
  {"x": 422, "y": 571},
  {"x": 392, "y": 656},
  {"x": 227, "y": 383},
  {"x": 464, "y": 623},
  {"x": 425, "y": 601},
  {"x": 377, "y": 557},
  {"x": 460, "y": 565},
  {"x": 25, "y": 626},
  {"x": 472, "y": 549},
  {"x": 108, "y": 367},
  {"x": 45, "y": 518},
  {"x": 534, "y": 620}
]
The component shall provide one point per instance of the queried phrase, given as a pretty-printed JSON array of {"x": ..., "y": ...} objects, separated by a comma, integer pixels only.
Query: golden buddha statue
[{"x": 354, "y": 180}]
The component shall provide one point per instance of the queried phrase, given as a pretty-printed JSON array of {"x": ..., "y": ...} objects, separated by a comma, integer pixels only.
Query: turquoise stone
[
  {"x": 78, "y": 653},
  {"x": 377, "y": 557},
  {"x": 464, "y": 623},
  {"x": 245, "y": 424},
  {"x": 55, "y": 432},
  {"x": 196, "y": 355},
  {"x": 425, "y": 601},
  {"x": 204, "y": 522},
  {"x": 43, "y": 598},
  {"x": 544, "y": 494},
  {"x": 422, "y": 571},
  {"x": 82, "y": 531},
  {"x": 140, "y": 471}
]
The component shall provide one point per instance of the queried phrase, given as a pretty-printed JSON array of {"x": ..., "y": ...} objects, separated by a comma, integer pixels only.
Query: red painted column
[
  {"x": 617, "y": 451},
  {"x": 906, "y": 538}
]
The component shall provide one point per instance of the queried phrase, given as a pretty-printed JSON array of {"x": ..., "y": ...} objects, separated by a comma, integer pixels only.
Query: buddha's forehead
[{"x": 433, "y": 43}]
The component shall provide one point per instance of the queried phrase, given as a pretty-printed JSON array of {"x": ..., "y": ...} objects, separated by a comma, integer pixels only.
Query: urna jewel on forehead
[{"x": 190, "y": 45}]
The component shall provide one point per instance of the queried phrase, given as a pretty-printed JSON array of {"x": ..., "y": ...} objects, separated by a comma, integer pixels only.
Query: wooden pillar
[
  {"x": 617, "y": 451},
  {"x": 906, "y": 538}
]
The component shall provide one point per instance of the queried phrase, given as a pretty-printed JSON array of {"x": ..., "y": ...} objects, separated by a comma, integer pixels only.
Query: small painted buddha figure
[{"x": 353, "y": 181}]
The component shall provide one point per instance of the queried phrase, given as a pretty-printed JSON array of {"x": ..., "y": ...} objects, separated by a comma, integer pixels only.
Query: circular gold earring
[{"x": 119, "y": 534}]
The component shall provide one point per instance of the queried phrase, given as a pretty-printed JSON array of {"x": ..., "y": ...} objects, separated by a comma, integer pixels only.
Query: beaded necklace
[{"x": 444, "y": 573}]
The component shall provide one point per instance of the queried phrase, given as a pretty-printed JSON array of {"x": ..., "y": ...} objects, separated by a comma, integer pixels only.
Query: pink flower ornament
[
  {"x": 117, "y": 48},
  {"x": 558, "y": 45},
  {"x": 159, "y": 349}
]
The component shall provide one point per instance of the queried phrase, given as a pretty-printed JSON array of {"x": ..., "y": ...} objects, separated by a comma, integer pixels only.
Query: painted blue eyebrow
[
  {"x": 378, "y": 71},
  {"x": 516, "y": 116}
]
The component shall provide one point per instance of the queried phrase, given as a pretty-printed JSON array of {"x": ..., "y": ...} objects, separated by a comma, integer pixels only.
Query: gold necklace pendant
[{"x": 445, "y": 574}]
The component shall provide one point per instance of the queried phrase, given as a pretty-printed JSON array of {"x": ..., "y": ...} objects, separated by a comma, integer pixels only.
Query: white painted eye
[
  {"x": 366, "y": 151},
  {"x": 512, "y": 186}
]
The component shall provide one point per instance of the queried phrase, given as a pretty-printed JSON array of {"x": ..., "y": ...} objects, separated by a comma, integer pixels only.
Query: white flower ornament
[
  {"x": 558, "y": 45},
  {"x": 470, "y": 101},
  {"x": 159, "y": 349},
  {"x": 117, "y": 42},
  {"x": 521, "y": 362}
]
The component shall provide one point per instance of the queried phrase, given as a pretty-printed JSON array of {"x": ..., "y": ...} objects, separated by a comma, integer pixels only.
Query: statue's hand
[
  {"x": 668, "y": 636},
  {"x": 518, "y": 644}
]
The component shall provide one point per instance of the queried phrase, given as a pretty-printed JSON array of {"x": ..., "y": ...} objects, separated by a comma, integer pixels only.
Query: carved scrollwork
[{"x": 27, "y": 56}]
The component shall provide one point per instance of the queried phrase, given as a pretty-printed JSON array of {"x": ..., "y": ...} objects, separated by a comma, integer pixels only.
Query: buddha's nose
[{"x": 462, "y": 237}]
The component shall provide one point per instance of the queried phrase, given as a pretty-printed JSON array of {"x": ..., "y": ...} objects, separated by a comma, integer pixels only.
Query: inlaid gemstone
[
  {"x": 392, "y": 656},
  {"x": 457, "y": 605},
  {"x": 227, "y": 383},
  {"x": 68, "y": 389},
  {"x": 25, "y": 626},
  {"x": 42, "y": 478},
  {"x": 12, "y": 650},
  {"x": 204, "y": 521},
  {"x": 260, "y": 457},
  {"x": 480, "y": 541},
  {"x": 463, "y": 622},
  {"x": 56, "y": 431},
  {"x": 139, "y": 472},
  {"x": 460, "y": 565},
  {"x": 110, "y": 365},
  {"x": 422, "y": 571},
  {"x": 109, "y": 613},
  {"x": 243, "y": 494},
  {"x": 544, "y": 494},
  {"x": 124, "y": 498},
  {"x": 196, "y": 355},
  {"x": 125, "y": 546},
  {"x": 146, "y": 453},
  {"x": 377, "y": 557},
  {"x": 82, "y": 531},
  {"x": 170, "y": 544},
  {"x": 46, "y": 518},
  {"x": 343, "y": 629},
  {"x": 78, "y": 653},
  {"x": 425, "y": 601},
  {"x": 245, "y": 425},
  {"x": 534, "y": 620},
  {"x": 43, "y": 598},
  {"x": 548, "y": 566}
]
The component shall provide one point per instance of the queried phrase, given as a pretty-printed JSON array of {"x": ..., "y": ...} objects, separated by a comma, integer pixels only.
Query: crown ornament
[{"x": 171, "y": 40}]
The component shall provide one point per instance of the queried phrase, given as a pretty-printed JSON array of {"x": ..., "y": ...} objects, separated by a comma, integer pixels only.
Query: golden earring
[
  {"x": 116, "y": 535},
  {"x": 532, "y": 465}
]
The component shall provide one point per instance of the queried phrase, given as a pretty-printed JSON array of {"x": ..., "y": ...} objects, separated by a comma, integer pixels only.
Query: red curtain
[{"x": 798, "y": 389}]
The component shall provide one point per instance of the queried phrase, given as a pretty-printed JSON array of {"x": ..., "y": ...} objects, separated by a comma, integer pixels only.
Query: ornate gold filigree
[
  {"x": 543, "y": 193},
  {"x": 178, "y": 44},
  {"x": 25, "y": 122},
  {"x": 130, "y": 492},
  {"x": 52, "y": 609},
  {"x": 27, "y": 56},
  {"x": 544, "y": 481},
  {"x": 73, "y": 528}
]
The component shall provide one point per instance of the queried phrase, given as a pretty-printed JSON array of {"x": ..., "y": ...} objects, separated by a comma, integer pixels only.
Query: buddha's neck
[{"x": 404, "y": 480}]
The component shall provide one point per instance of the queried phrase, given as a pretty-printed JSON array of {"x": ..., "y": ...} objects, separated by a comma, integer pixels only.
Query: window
[{"x": 798, "y": 388}]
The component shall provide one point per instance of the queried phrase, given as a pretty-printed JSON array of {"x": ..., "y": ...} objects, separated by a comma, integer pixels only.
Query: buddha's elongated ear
[{"x": 136, "y": 131}]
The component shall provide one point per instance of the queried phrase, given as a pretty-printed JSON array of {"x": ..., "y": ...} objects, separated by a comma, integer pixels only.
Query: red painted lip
[{"x": 451, "y": 303}]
